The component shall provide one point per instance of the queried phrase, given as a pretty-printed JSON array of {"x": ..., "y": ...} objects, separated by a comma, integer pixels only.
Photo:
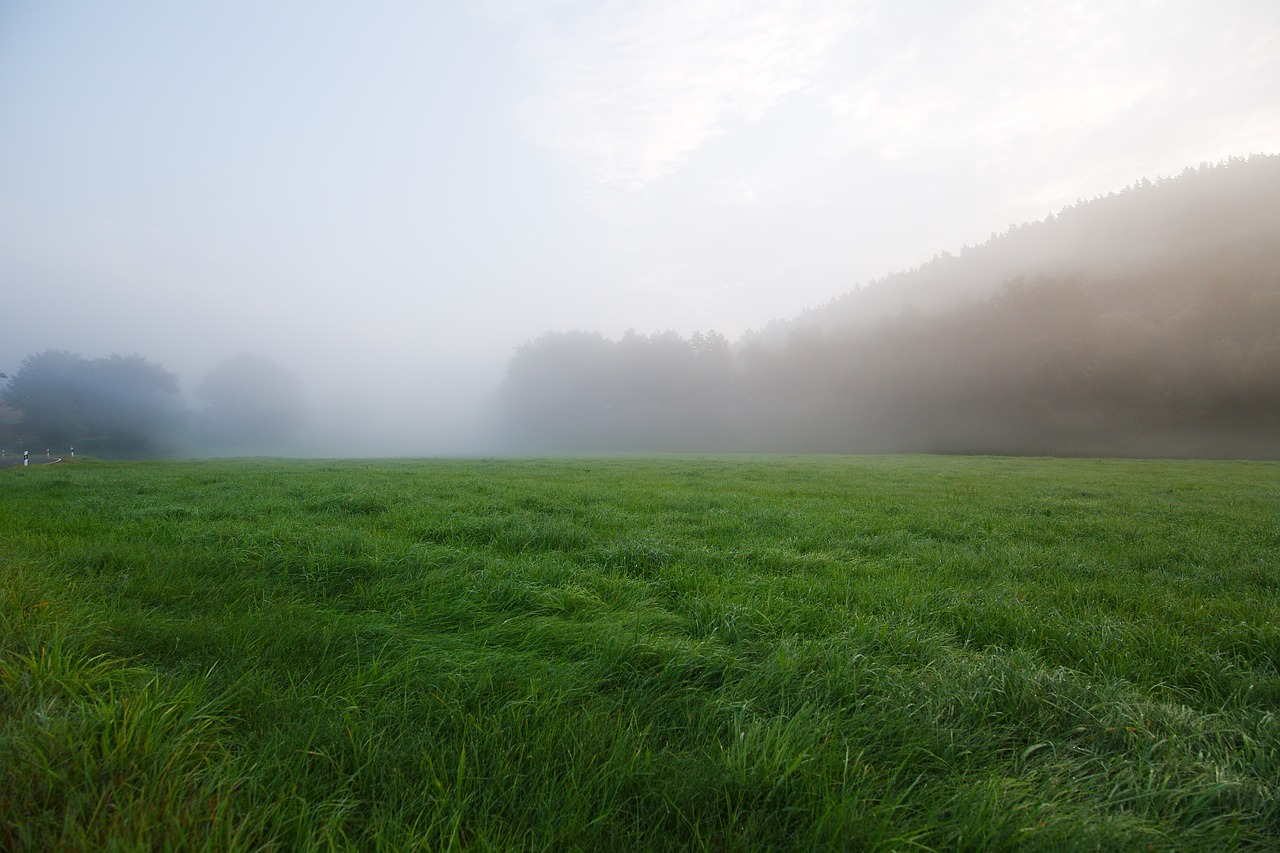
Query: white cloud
[
  {"x": 1005, "y": 72},
  {"x": 1009, "y": 73},
  {"x": 628, "y": 93}
]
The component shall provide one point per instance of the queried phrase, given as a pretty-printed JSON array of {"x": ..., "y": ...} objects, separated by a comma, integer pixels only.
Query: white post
[
  {"x": 25, "y": 453},
  {"x": 73, "y": 451}
]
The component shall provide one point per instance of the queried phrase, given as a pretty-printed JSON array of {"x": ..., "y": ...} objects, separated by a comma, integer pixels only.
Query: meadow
[{"x": 864, "y": 653}]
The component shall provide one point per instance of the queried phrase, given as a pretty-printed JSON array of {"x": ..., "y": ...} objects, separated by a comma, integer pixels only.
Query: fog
[
  {"x": 387, "y": 204},
  {"x": 1158, "y": 334}
]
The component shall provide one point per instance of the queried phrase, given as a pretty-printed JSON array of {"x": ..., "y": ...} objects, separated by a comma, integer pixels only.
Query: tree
[
  {"x": 135, "y": 405},
  {"x": 252, "y": 404},
  {"x": 581, "y": 390},
  {"x": 116, "y": 406}
]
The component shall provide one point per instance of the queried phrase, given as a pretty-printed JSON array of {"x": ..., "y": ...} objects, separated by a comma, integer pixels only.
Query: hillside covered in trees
[{"x": 1142, "y": 323}]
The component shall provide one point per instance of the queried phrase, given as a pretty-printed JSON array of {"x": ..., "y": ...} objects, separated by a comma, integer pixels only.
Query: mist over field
[
  {"x": 647, "y": 424},
  {"x": 1142, "y": 323},
  {"x": 528, "y": 228}
]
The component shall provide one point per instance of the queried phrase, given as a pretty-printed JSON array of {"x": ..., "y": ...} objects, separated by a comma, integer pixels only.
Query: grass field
[{"x": 725, "y": 653}]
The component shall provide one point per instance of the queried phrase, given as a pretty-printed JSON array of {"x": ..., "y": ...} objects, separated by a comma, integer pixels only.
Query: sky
[{"x": 389, "y": 197}]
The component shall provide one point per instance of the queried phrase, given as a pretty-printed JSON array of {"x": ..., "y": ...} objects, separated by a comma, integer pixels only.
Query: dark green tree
[{"x": 123, "y": 406}]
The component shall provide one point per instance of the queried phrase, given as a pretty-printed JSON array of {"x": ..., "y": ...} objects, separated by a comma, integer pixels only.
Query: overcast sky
[{"x": 409, "y": 190}]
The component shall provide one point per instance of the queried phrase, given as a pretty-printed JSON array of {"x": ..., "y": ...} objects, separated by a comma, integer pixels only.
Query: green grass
[{"x": 728, "y": 653}]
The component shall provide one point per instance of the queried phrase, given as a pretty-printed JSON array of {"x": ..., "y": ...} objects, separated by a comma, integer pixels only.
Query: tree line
[
  {"x": 129, "y": 407},
  {"x": 1156, "y": 332}
]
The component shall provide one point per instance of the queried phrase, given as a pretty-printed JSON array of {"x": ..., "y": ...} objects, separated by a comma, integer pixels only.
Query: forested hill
[
  {"x": 1193, "y": 218},
  {"x": 1145, "y": 322}
]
